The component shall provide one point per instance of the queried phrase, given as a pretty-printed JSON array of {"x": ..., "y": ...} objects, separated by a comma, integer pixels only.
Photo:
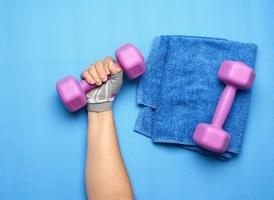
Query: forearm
[{"x": 106, "y": 175}]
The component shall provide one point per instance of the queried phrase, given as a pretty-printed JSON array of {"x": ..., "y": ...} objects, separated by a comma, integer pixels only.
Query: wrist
[
  {"x": 99, "y": 115},
  {"x": 98, "y": 119},
  {"x": 99, "y": 107},
  {"x": 99, "y": 125}
]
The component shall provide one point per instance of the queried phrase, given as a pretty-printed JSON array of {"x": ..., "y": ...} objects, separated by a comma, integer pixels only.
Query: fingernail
[
  {"x": 104, "y": 78},
  {"x": 91, "y": 81},
  {"x": 98, "y": 81}
]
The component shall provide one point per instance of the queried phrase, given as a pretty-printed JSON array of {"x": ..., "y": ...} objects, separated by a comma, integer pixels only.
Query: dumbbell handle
[
  {"x": 224, "y": 105},
  {"x": 85, "y": 86}
]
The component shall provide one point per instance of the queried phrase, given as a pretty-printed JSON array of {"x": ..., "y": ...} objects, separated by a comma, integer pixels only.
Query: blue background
[{"x": 42, "y": 145}]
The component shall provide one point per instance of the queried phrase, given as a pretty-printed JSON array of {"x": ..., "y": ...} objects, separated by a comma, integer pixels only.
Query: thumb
[
  {"x": 118, "y": 67},
  {"x": 115, "y": 68}
]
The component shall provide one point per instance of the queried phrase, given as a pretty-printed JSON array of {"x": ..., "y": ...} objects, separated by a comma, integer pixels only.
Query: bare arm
[{"x": 106, "y": 175}]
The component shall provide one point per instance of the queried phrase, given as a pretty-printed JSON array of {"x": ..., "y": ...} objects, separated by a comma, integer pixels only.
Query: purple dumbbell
[
  {"x": 211, "y": 136},
  {"x": 72, "y": 92}
]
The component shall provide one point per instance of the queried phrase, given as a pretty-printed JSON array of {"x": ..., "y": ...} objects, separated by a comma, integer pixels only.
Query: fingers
[
  {"x": 113, "y": 67},
  {"x": 86, "y": 75},
  {"x": 107, "y": 62},
  {"x": 101, "y": 71},
  {"x": 93, "y": 72},
  {"x": 98, "y": 73}
]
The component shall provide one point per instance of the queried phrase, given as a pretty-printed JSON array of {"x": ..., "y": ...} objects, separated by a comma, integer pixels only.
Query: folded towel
[{"x": 181, "y": 89}]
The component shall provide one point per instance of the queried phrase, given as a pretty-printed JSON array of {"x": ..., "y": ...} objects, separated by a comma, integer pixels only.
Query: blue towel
[{"x": 181, "y": 89}]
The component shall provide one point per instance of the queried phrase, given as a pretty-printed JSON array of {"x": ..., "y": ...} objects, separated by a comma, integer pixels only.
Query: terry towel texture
[{"x": 181, "y": 89}]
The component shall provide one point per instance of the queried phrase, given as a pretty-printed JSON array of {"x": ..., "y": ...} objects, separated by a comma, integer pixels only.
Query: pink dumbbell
[
  {"x": 211, "y": 136},
  {"x": 72, "y": 92}
]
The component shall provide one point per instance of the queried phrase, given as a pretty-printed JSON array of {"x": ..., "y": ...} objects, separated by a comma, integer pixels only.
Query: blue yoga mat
[{"x": 43, "y": 146}]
